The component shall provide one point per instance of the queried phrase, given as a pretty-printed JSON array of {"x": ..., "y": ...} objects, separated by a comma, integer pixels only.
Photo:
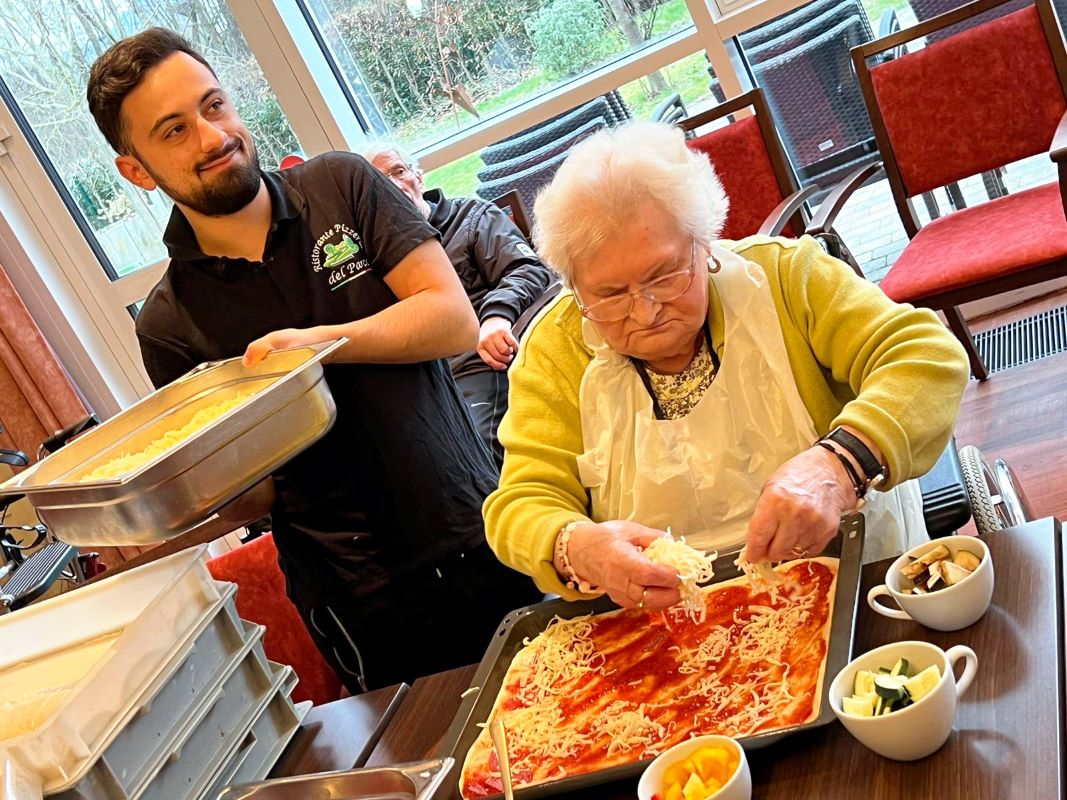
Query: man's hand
[
  {"x": 496, "y": 344},
  {"x": 608, "y": 555},
  {"x": 280, "y": 340},
  {"x": 800, "y": 507}
]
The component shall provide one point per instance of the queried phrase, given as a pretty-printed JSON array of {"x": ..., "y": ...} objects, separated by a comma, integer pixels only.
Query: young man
[
  {"x": 379, "y": 523},
  {"x": 499, "y": 270}
]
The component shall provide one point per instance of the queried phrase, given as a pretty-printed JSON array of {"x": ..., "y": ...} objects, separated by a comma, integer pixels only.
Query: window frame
[{"x": 88, "y": 315}]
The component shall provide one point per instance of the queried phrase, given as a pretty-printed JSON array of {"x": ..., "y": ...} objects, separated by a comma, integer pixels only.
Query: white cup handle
[
  {"x": 882, "y": 591},
  {"x": 954, "y": 654}
]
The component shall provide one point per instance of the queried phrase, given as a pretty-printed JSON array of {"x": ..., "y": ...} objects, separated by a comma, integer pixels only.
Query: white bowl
[
  {"x": 739, "y": 787},
  {"x": 949, "y": 608},
  {"x": 921, "y": 728}
]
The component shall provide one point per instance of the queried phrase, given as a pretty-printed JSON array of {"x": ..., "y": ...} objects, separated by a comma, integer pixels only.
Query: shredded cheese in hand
[
  {"x": 693, "y": 567},
  {"x": 761, "y": 575}
]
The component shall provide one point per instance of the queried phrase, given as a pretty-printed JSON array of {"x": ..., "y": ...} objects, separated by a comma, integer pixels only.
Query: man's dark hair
[{"x": 121, "y": 69}]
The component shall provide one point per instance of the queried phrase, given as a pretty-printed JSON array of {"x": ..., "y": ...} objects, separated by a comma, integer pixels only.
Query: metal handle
[{"x": 500, "y": 742}]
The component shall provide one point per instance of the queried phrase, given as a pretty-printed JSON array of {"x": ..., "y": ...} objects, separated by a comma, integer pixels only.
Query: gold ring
[{"x": 642, "y": 603}]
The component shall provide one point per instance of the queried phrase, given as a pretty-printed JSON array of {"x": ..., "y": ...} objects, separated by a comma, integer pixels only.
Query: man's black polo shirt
[{"x": 399, "y": 480}]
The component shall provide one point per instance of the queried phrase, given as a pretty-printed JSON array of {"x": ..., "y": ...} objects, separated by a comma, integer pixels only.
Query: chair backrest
[
  {"x": 502, "y": 169},
  {"x": 792, "y": 20},
  {"x": 815, "y": 99},
  {"x": 527, "y": 182},
  {"x": 290, "y": 161},
  {"x": 513, "y": 206},
  {"x": 261, "y": 598},
  {"x": 980, "y": 99},
  {"x": 750, "y": 161},
  {"x": 928, "y": 9},
  {"x": 545, "y": 132}
]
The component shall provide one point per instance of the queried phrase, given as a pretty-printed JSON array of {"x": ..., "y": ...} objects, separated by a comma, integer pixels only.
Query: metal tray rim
[
  {"x": 18, "y": 483},
  {"x": 842, "y": 635}
]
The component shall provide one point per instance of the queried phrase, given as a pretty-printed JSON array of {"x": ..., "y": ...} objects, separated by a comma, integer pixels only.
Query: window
[
  {"x": 421, "y": 70},
  {"x": 46, "y": 51},
  {"x": 690, "y": 78}
]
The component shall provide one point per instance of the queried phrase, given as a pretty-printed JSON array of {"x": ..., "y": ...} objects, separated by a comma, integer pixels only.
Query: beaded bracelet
[{"x": 571, "y": 578}]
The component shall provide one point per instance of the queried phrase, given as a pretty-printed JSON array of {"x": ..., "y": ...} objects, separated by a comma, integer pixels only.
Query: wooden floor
[{"x": 1020, "y": 415}]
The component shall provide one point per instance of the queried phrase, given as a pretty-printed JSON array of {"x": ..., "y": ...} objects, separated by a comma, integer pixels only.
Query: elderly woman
[{"x": 748, "y": 392}]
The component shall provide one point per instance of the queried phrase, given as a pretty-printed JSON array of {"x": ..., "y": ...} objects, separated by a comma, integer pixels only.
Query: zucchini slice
[{"x": 923, "y": 683}]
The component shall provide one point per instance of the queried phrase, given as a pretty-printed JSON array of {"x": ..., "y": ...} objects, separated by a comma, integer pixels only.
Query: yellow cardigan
[{"x": 891, "y": 371}]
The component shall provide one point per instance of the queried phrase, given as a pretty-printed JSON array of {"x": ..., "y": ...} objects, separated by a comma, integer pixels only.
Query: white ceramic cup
[
  {"x": 949, "y": 608},
  {"x": 739, "y": 787},
  {"x": 921, "y": 728}
]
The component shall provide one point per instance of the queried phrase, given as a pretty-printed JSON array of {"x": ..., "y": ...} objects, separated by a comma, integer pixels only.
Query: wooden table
[
  {"x": 1009, "y": 737},
  {"x": 340, "y": 735}
]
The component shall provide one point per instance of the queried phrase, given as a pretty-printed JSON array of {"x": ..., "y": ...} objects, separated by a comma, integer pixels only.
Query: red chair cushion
[
  {"x": 261, "y": 598},
  {"x": 740, "y": 158},
  {"x": 980, "y": 99},
  {"x": 997, "y": 238}
]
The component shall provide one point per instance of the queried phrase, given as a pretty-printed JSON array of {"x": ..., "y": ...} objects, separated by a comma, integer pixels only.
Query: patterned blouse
[{"x": 679, "y": 394}]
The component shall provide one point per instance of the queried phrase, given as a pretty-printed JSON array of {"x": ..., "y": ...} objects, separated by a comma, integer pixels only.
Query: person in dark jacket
[{"x": 500, "y": 271}]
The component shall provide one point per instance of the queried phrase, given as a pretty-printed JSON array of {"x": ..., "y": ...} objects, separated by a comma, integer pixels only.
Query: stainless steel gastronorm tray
[
  {"x": 527, "y": 622},
  {"x": 292, "y": 407},
  {"x": 413, "y": 781}
]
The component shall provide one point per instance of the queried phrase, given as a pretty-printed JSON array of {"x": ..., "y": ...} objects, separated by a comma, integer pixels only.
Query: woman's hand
[
  {"x": 800, "y": 507},
  {"x": 280, "y": 340},
  {"x": 496, "y": 343},
  {"x": 608, "y": 555}
]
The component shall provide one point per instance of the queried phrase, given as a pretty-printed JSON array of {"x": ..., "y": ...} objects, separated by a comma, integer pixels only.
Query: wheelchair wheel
[{"x": 996, "y": 502}]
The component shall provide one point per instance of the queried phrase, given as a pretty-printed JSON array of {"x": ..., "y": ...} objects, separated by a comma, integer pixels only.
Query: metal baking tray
[
  {"x": 292, "y": 408},
  {"x": 414, "y": 781},
  {"x": 527, "y": 622}
]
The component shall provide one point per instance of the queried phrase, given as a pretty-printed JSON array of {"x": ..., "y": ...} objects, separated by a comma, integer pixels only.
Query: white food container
[{"x": 105, "y": 645}]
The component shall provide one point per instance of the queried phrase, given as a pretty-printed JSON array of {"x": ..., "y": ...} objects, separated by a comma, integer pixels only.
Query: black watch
[{"x": 873, "y": 471}]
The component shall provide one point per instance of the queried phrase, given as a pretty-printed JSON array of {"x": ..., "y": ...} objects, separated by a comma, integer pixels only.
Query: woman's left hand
[{"x": 800, "y": 507}]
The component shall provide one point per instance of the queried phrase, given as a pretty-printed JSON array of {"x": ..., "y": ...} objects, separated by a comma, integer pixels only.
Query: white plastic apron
[{"x": 702, "y": 474}]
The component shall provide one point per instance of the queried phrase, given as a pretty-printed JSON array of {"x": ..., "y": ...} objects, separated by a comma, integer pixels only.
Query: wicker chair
[
  {"x": 547, "y": 132},
  {"x": 563, "y": 144},
  {"x": 527, "y": 183}
]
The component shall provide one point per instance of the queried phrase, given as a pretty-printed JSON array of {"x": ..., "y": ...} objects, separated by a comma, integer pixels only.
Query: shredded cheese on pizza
[
  {"x": 693, "y": 567},
  {"x": 595, "y": 692},
  {"x": 627, "y": 728}
]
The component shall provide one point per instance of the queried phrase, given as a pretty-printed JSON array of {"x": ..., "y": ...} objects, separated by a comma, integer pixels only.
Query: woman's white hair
[{"x": 606, "y": 181}]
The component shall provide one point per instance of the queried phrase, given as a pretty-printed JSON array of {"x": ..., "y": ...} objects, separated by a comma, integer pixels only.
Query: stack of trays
[{"x": 179, "y": 704}]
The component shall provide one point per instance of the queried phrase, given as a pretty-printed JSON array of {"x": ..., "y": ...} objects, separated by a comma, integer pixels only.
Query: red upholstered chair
[
  {"x": 972, "y": 102},
  {"x": 290, "y": 160},
  {"x": 765, "y": 196},
  {"x": 261, "y": 599}
]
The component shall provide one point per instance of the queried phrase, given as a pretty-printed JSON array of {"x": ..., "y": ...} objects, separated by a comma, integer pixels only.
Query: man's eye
[
  {"x": 216, "y": 105},
  {"x": 172, "y": 132}
]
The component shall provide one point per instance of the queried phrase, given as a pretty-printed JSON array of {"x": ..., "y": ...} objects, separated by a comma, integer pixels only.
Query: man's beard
[{"x": 228, "y": 193}]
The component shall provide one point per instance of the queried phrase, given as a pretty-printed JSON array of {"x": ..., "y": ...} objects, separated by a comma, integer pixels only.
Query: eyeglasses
[{"x": 659, "y": 290}]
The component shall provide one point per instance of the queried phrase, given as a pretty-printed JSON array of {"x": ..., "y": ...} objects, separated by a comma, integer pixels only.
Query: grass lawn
[{"x": 688, "y": 77}]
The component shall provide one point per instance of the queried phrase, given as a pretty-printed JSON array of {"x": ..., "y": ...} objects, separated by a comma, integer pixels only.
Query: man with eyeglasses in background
[{"x": 499, "y": 270}]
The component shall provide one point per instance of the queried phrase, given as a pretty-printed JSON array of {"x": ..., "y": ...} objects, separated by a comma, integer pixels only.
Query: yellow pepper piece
[
  {"x": 674, "y": 792},
  {"x": 694, "y": 788}
]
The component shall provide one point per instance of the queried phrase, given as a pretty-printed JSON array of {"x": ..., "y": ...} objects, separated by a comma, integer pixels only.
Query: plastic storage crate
[
  {"x": 263, "y": 745},
  {"x": 167, "y": 706},
  {"x": 128, "y": 629}
]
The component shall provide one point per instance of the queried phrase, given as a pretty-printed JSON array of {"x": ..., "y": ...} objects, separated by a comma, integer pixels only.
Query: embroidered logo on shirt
[{"x": 336, "y": 251}]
